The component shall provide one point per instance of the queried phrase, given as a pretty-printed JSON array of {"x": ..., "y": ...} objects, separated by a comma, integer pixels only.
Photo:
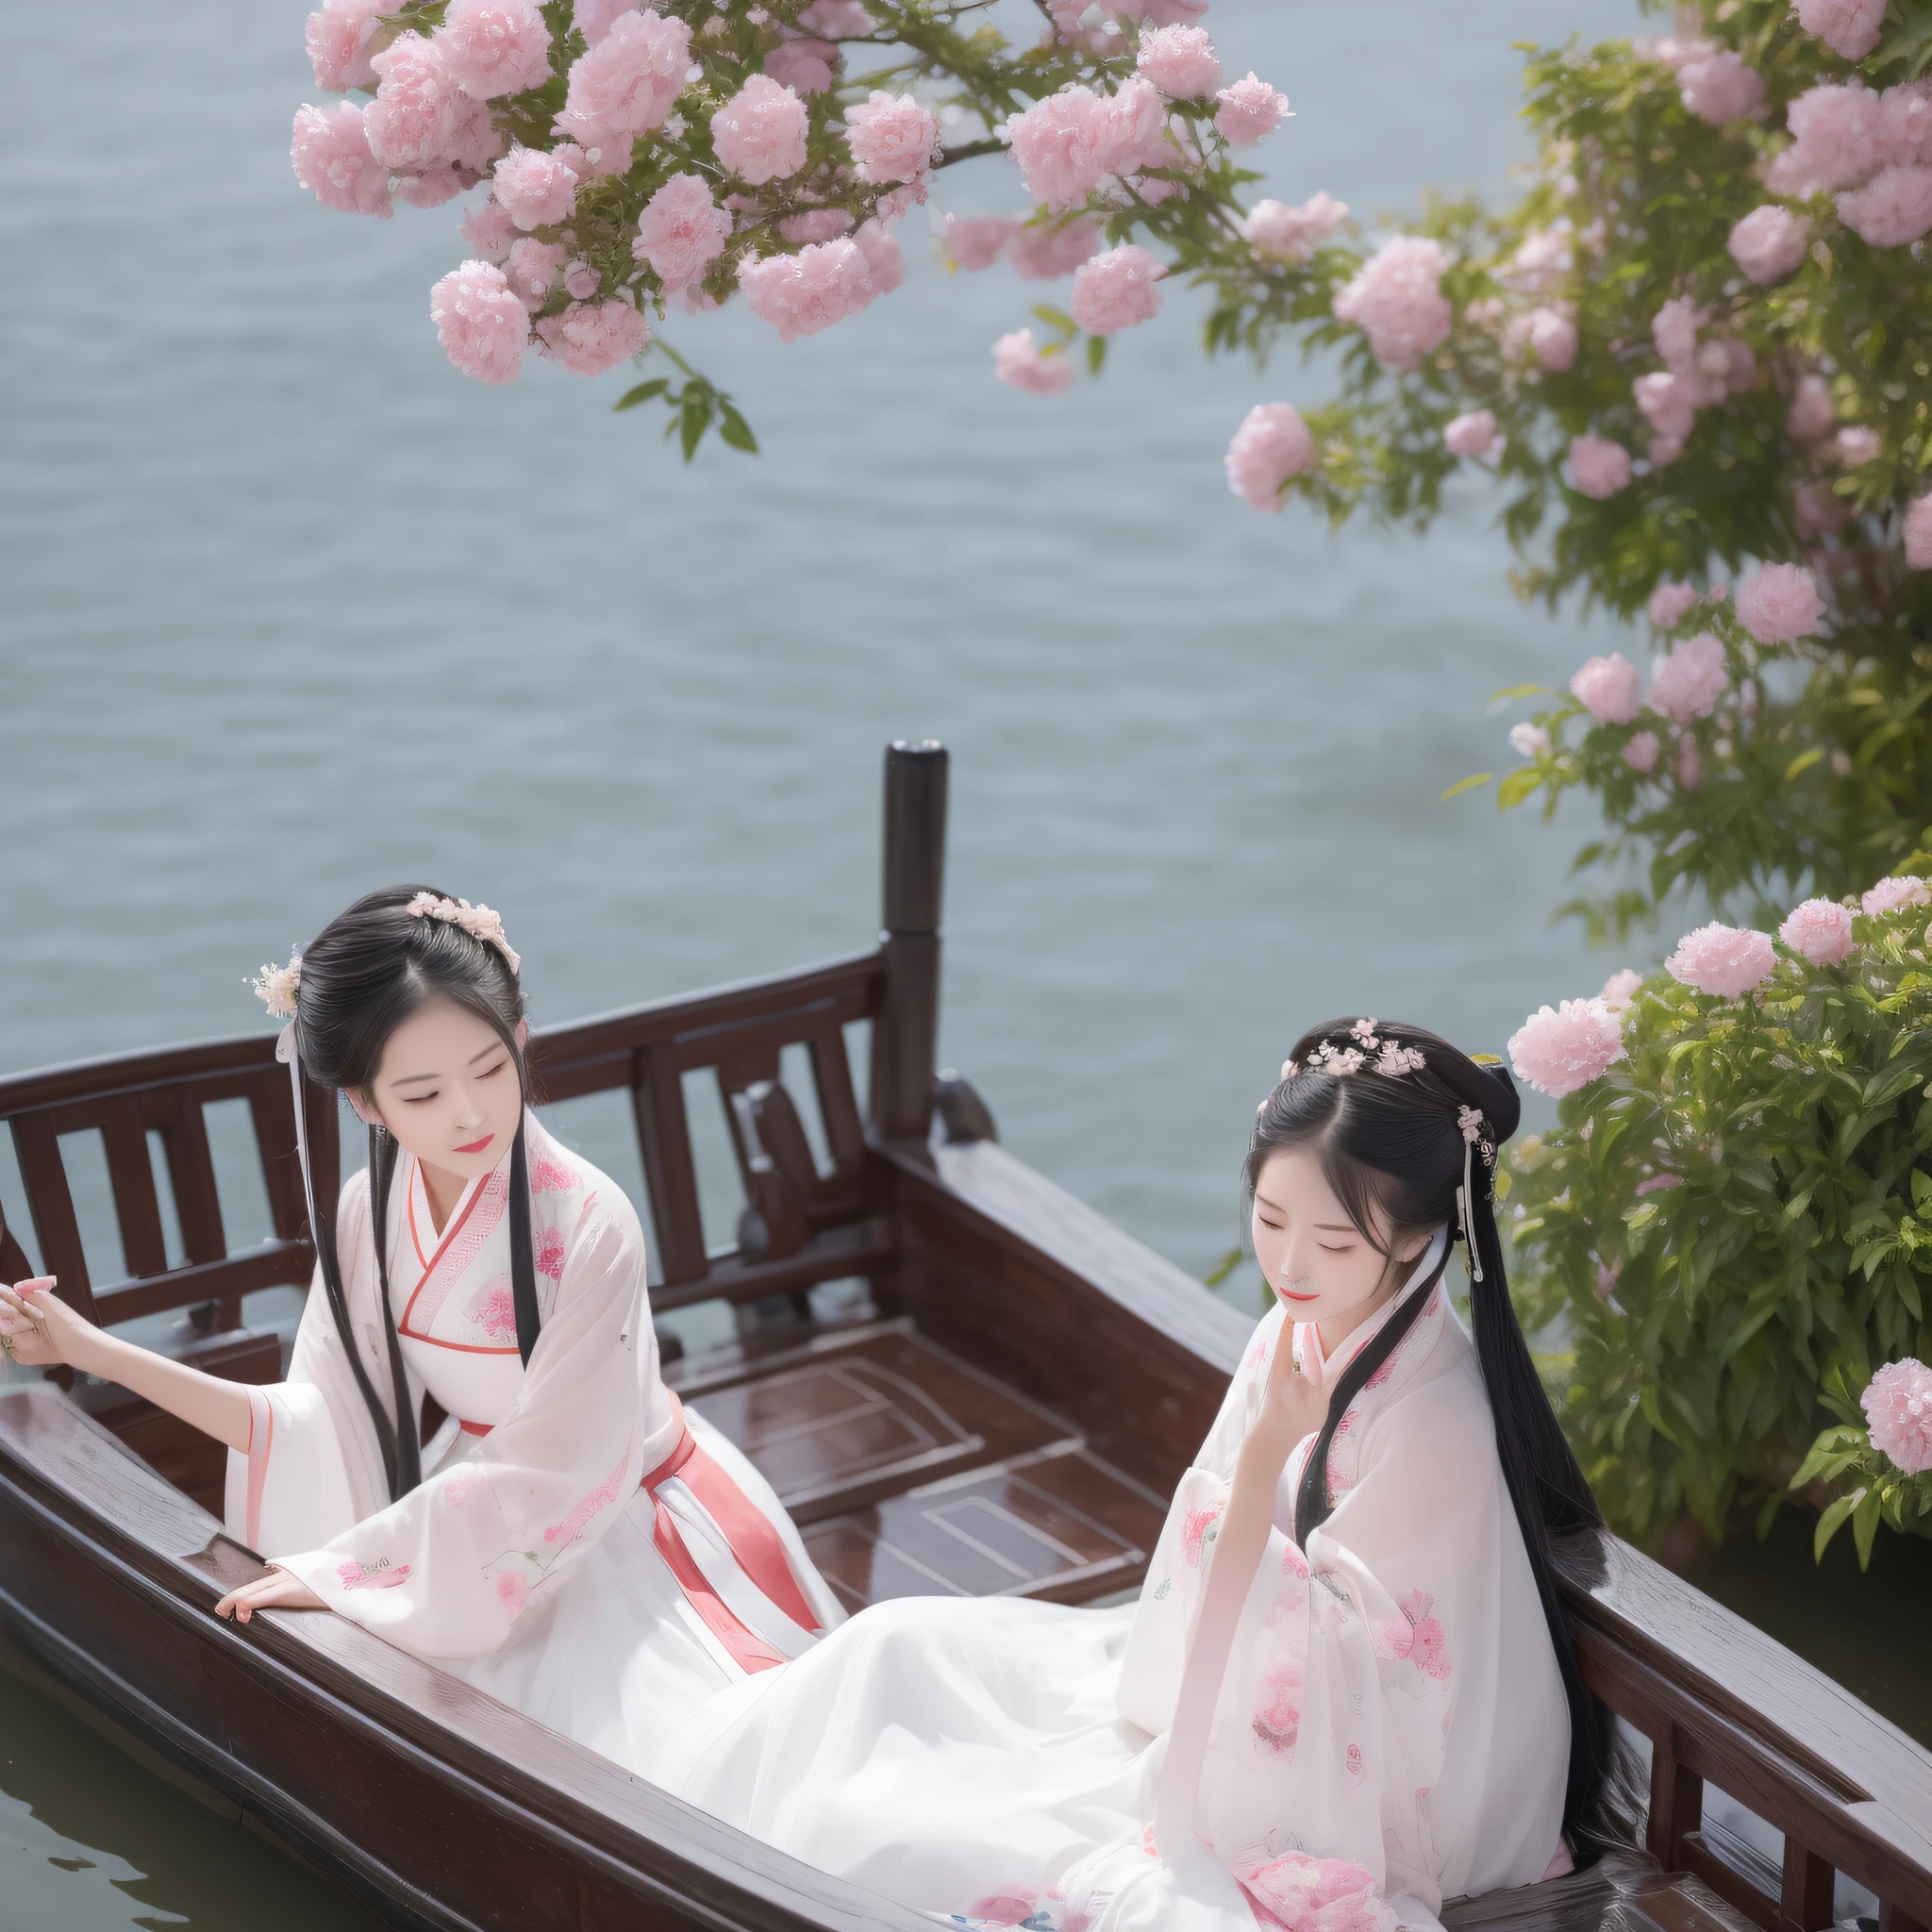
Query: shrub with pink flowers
[
  {"x": 666, "y": 157},
  {"x": 1731, "y": 1224}
]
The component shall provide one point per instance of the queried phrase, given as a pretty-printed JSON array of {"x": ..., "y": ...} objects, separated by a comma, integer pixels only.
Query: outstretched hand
[
  {"x": 40, "y": 1329},
  {"x": 277, "y": 1591}
]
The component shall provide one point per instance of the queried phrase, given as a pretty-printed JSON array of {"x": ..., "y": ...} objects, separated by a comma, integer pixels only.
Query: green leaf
[
  {"x": 1520, "y": 690},
  {"x": 1865, "y": 1525},
  {"x": 1055, "y": 318},
  {"x": 1096, "y": 354},
  {"x": 1518, "y": 786},
  {"x": 1223, "y": 1268},
  {"x": 1830, "y": 1521},
  {"x": 695, "y": 418},
  {"x": 642, "y": 393},
  {"x": 1802, "y": 762},
  {"x": 734, "y": 429},
  {"x": 1474, "y": 779}
]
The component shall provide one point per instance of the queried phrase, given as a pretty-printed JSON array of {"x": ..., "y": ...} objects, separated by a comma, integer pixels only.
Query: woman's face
[
  {"x": 447, "y": 1090},
  {"x": 1316, "y": 1259}
]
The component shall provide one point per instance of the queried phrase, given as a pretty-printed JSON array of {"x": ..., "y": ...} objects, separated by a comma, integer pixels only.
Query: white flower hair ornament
[
  {"x": 277, "y": 986},
  {"x": 1369, "y": 1049},
  {"x": 480, "y": 922}
]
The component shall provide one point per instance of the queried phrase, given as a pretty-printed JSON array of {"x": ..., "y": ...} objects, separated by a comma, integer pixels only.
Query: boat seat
[{"x": 1624, "y": 1892}]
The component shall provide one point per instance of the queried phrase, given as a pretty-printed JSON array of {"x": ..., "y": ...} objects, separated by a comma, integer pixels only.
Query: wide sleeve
[
  {"x": 1332, "y": 1722},
  {"x": 312, "y": 1466},
  {"x": 446, "y": 1571}
]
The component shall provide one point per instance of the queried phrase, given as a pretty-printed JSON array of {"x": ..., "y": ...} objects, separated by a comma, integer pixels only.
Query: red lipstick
[
  {"x": 478, "y": 1146},
  {"x": 1288, "y": 1294}
]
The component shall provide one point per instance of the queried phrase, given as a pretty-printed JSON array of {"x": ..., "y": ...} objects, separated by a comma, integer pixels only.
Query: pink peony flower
[
  {"x": 1641, "y": 753},
  {"x": 1849, "y": 27},
  {"x": 1674, "y": 330},
  {"x": 532, "y": 267},
  {"x": 816, "y": 225},
  {"x": 837, "y": 20},
  {"x": 1396, "y": 299},
  {"x": 1888, "y": 895},
  {"x": 807, "y": 67},
  {"x": 1289, "y": 234},
  {"x": 976, "y": 241},
  {"x": 1821, "y": 929},
  {"x": 331, "y": 157},
  {"x": 1779, "y": 604},
  {"x": 512, "y": 1589},
  {"x": 1181, "y": 61},
  {"x": 418, "y": 107},
  {"x": 492, "y": 47},
  {"x": 1062, "y": 146},
  {"x": 1249, "y": 111},
  {"x": 1043, "y": 251},
  {"x": 681, "y": 231},
  {"x": 800, "y": 294},
  {"x": 625, "y": 85},
  {"x": 1116, "y": 290},
  {"x": 476, "y": 142},
  {"x": 595, "y": 18},
  {"x": 1692, "y": 679},
  {"x": 1606, "y": 688},
  {"x": 1905, "y": 122},
  {"x": 1620, "y": 988},
  {"x": 891, "y": 138},
  {"x": 482, "y": 326},
  {"x": 488, "y": 230},
  {"x": 534, "y": 188},
  {"x": 1816, "y": 511},
  {"x": 1668, "y": 602},
  {"x": 1474, "y": 435},
  {"x": 1769, "y": 242},
  {"x": 1721, "y": 87},
  {"x": 1018, "y": 363},
  {"x": 1835, "y": 141},
  {"x": 759, "y": 132},
  {"x": 1598, "y": 466},
  {"x": 1898, "y": 1406},
  {"x": 1272, "y": 445},
  {"x": 1722, "y": 959},
  {"x": 1917, "y": 533},
  {"x": 1553, "y": 336},
  {"x": 1811, "y": 415},
  {"x": 590, "y": 337},
  {"x": 431, "y": 188},
  {"x": 1558, "y": 1052},
  {"x": 337, "y": 37},
  {"x": 1892, "y": 209},
  {"x": 1669, "y": 402},
  {"x": 883, "y": 256}
]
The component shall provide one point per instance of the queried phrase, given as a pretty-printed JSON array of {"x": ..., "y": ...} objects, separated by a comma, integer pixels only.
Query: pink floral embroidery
[
  {"x": 1418, "y": 1637},
  {"x": 1027, "y": 1910},
  {"x": 1395, "y": 1353},
  {"x": 384, "y": 1576},
  {"x": 1352, "y": 1760},
  {"x": 550, "y": 1254},
  {"x": 1303, "y": 1894},
  {"x": 552, "y": 1177},
  {"x": 603, "y": 1494},
  {"x": 485, "y": 1217},
  {"x": 495, "y": 1313},
  {"x": 1194, "y": 1528},
  {"x": 513, "y": 1591},
  {"x": 1278, "y": 1722}
]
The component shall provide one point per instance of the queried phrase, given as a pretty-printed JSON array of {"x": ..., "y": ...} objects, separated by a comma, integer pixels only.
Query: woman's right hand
[
  {"x": 1294, "y": 1401},
  {"x": 40, "y": 1330}
]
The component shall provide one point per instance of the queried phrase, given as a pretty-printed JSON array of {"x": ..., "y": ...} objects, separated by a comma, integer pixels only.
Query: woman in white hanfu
[
  {"x": 570, "y": 1539},
  {"x": 1346, "y": 1692}
]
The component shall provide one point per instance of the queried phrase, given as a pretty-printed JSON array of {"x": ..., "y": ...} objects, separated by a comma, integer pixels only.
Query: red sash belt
[{"x": 753, "y": 1541}]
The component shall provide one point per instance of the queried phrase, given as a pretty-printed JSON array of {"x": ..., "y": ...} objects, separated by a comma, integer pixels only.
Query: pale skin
[{"x": 447, "y": 1088}]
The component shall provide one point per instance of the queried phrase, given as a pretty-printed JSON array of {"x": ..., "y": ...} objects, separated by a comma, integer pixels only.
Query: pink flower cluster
[
  {"x": 1598, "y": 466},
  {"x": 1898, "y": 1408},
  {"x": 1690, "y": 680},
  {"x": 1250, "y": 111},
  {"x": 1849, "y": 27},
  {"x": 1724, "y": 960},
  {"x": 1769, "y": 242},
  {"x": 1718, "y": 87},
  {"x": 1289, "y": 234},
  {"x": 891, "y": 138},
  {"x": 1068, "y": 143},
  {"x": 1875, "y": 147},
  {"x": 590, "y": 337},
  {"x": 1779, "y": 604},
  {"x": 1888, "y": 895},
  {"x": 1670, "y": 604},
  {"x": 758, "y": 134},
  {"x": 1820, "y": 930},
  {"x": 681, "y": 231},
  {"x": 1116, "y": 290},
  {"x": 1695, "y": 375},
  {"x": 1606, "y": 688},
  {"x": 482, "y": 326},
  {"x": 1272, "y": 445},
  {"x": 1396, "y": 298},
  {"x": 800, "y": 294},
  {"x": 1474, "y": 435},
  {"x": 1181, "y": 61},
  {"x": 1558, "y": 1052},
  {"x": 1020, "y": 363}
]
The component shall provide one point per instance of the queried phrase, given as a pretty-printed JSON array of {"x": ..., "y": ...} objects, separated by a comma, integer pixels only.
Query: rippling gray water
[{"x": 291, "y": 609}]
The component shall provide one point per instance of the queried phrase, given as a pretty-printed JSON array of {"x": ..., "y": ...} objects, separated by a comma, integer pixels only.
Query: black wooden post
[{"x": 904, "y": 1038}]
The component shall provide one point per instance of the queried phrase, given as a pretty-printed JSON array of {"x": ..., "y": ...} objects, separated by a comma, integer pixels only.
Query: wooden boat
[{"x": 999, "y": 1405}]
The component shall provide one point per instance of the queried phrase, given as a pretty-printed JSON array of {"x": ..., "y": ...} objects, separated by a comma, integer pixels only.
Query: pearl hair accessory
[{"x": 479, "y": 920}]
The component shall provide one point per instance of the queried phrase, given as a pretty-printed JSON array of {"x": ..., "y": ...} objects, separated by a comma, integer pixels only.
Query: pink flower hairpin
[
  {"x": 276, "y": 987},
  {"x": 477, "y": 921}
]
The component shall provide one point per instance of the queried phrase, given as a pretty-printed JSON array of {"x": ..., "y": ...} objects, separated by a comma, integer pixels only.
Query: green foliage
[
  {"x": 1872, "y": 1489},
  {"x": 1733, "y": 1221}
]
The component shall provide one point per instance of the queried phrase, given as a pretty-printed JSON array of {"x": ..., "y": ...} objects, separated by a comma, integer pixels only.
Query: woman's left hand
[{"x": 277, "y": 1591}]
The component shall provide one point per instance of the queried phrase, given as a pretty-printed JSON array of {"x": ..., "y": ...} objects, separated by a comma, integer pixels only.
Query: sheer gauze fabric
[
  {"x": 578, "y": 1546},
  {"x": 1391, "y": 1729}
]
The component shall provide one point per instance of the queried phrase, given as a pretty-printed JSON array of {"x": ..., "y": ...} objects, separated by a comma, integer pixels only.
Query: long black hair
[
  {"x": 368, "y": 971},
  {"x": 1394, "y": 1151}
]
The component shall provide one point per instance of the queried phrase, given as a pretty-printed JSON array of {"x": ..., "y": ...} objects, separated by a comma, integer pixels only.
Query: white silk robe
[
  {"x": 1390, "y": 1728},
  {"x": 576, "y": 1546}
]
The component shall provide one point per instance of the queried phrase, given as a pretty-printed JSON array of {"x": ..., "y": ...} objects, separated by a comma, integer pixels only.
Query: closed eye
[
  {"x": 493, "y": 1070},
  {"x": 421, "y": 1099}
]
